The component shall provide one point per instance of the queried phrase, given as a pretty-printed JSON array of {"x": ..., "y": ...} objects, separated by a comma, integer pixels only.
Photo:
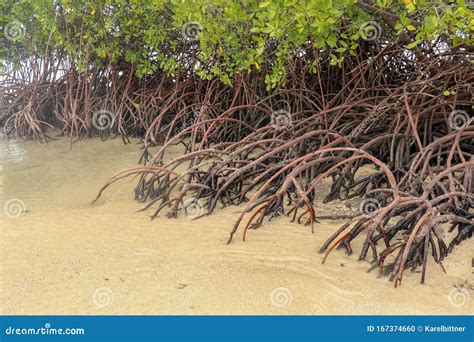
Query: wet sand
[{"x": 65, "y": 256}]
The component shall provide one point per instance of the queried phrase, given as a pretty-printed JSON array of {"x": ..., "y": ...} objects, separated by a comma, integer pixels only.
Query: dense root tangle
[
  {"x": 409, "y": 115},
  {"x": 272, "y": 152}
]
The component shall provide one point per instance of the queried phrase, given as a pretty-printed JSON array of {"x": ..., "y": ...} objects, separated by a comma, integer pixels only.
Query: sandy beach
[{"x": 62, "y": 255}]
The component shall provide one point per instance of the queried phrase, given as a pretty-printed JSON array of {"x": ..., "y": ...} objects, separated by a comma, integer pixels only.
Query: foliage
[{"x": 229, "y": 38}]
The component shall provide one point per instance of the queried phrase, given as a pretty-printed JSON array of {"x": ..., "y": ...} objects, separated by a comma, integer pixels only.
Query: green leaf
[{"x": 413, "y": 44}]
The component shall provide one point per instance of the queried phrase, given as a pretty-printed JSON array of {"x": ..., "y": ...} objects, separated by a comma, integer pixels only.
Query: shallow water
[{"x": 62, "y": 255}]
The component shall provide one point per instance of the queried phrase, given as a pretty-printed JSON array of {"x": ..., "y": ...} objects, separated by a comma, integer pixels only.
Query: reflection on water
[
  {"x": 11, "y": 152},
  {"x": 58, "y": 252},
  {"x": 52, "y": 175}
]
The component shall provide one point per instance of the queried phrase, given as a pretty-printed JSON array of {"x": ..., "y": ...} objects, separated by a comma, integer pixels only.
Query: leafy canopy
[{"x": 222, "y": 38}]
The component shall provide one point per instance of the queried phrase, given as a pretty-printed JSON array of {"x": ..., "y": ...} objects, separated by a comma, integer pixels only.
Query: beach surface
[{"x": 61, "y": 255}]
